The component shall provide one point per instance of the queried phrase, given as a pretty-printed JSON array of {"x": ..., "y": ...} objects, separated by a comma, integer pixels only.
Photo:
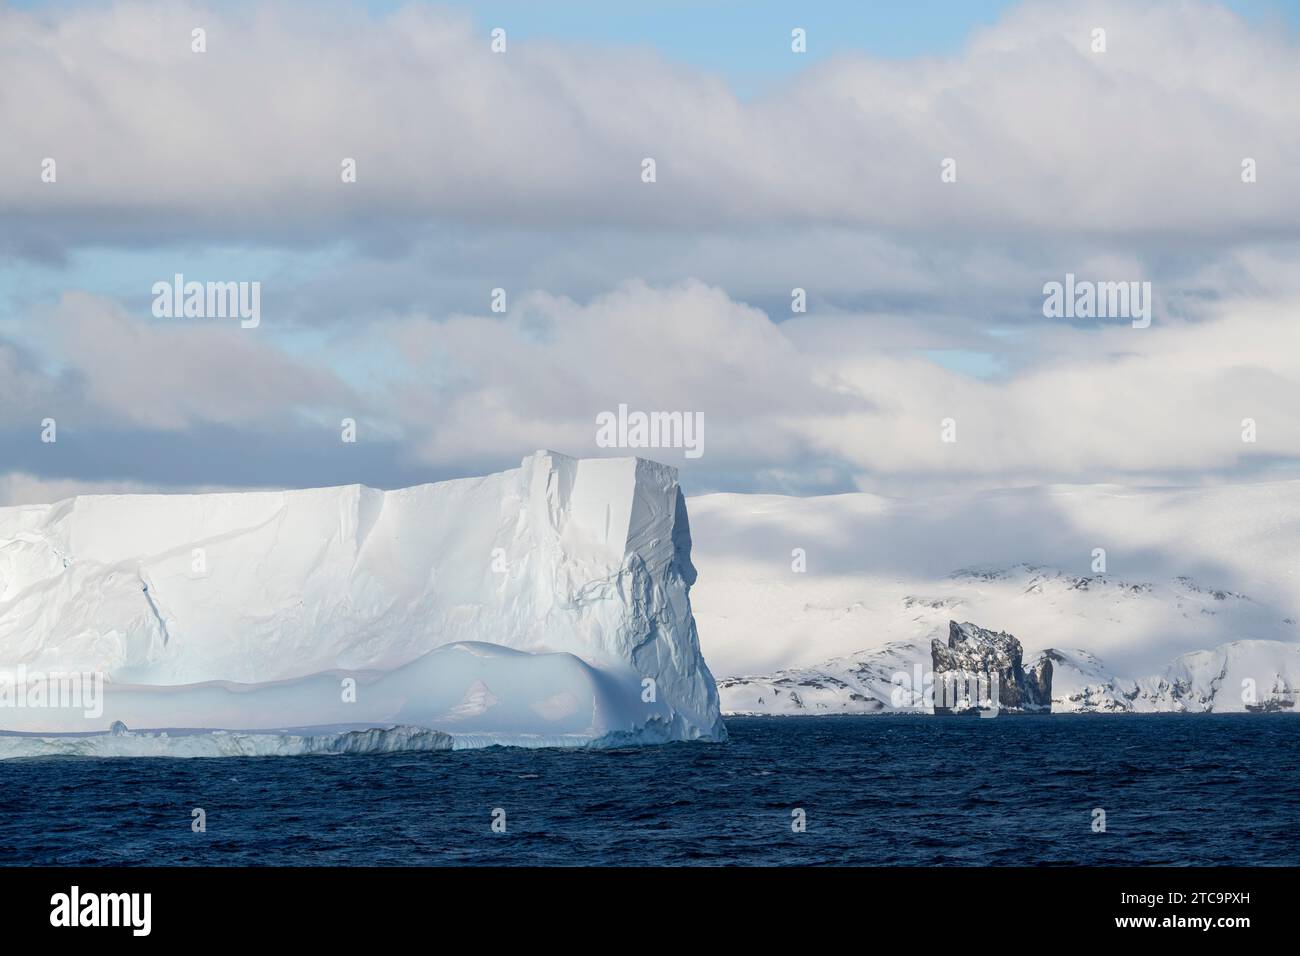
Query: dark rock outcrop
[{"x": 979, "y": 669}]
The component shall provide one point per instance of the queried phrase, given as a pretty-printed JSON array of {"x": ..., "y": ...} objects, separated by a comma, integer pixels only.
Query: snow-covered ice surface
[
  {"x": 547, "y": 605},
  {"x": 1187, "y": 571}
]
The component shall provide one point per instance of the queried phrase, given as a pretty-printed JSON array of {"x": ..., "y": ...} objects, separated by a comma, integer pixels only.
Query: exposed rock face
[
  {"x": 989, "y": 663},
  {"x": 1038, "y": 680}
]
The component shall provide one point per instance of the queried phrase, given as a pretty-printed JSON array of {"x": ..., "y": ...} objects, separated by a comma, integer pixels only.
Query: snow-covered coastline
[
  {"x": 1149, "y": 600},
  {"x": 1239, "y": 677}
]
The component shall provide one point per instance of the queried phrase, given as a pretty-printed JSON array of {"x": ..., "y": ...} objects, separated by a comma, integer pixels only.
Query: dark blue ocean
[{"x": 1176, "y": 790}]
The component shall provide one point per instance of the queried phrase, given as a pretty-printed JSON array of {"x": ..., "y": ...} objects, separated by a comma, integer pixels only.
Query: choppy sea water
[{"x": 1176, "y": 790}]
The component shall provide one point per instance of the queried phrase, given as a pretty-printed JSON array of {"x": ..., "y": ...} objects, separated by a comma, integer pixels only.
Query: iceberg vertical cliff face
[{"x": 550, "y": 602}]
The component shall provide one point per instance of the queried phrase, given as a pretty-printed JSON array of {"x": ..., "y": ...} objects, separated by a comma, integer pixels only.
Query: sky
[{"x": 921, "y": 173}]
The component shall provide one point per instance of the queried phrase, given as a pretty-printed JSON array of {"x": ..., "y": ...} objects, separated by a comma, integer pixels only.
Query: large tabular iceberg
[{"x": 545, "y": 605}]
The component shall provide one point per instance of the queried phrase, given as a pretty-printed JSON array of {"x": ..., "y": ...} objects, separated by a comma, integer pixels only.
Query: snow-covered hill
[
  {"x": 815, "y": 592},
  {"x": 545, "y": 604},
  {"x": 862, "y": 683},
  {"x": 1243, "y": 676},
  {"x": 1240, "y": 677}
]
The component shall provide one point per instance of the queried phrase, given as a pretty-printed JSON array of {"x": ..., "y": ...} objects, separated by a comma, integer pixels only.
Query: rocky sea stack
[{"x": 990, "y": 664}]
